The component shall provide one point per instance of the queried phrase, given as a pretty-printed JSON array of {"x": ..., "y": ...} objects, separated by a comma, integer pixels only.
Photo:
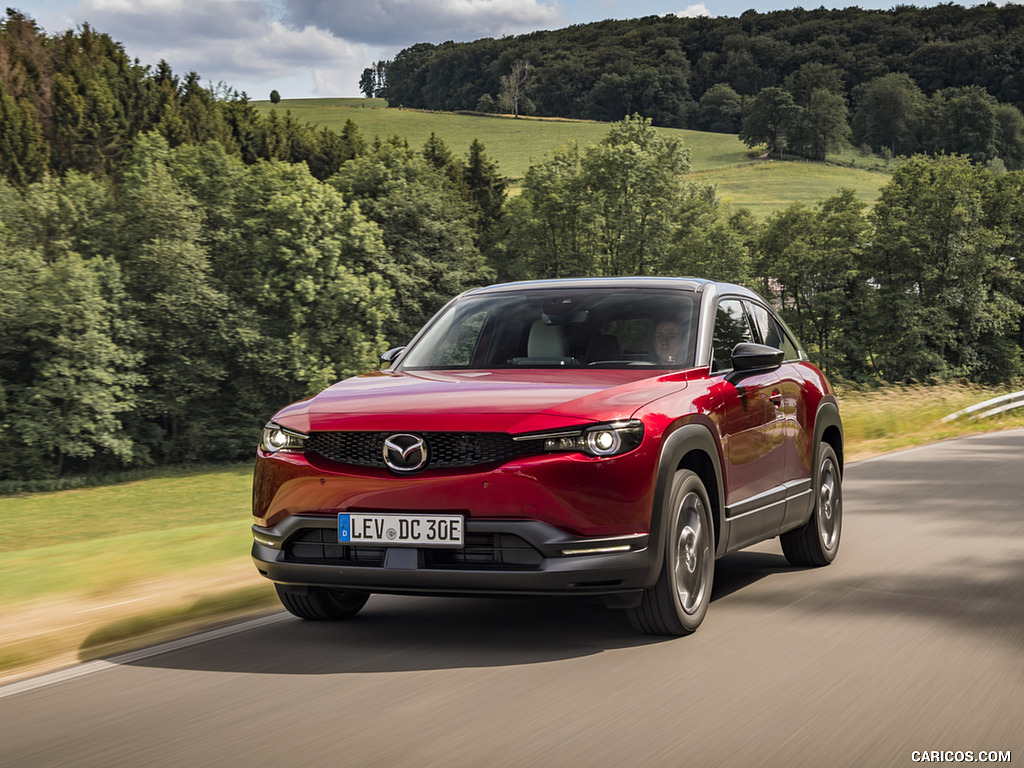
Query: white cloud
[
  {"x": 240, "y": 42},
  {"x": 693, "y": 11},
  {"x": 402, "y": 22},
  {"x": 256, "y": 45}
]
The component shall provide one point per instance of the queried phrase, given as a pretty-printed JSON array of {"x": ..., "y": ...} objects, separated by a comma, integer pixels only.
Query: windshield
[{"x": 554, "y": 328}]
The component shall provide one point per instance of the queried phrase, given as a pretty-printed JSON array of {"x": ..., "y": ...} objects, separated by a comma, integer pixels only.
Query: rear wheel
[
  {"x": 817, "y": 541},
  {"x": 678, "y": 601},
  {"x": 321, "y": 603}
]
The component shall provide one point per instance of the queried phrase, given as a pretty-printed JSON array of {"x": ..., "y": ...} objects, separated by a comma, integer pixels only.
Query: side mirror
[
  {"x": 753, "y": 358},
  {"x": 389, "y": 358}
]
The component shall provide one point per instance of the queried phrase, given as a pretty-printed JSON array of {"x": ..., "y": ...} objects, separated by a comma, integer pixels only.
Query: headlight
[
  {"x": 277, "y": 438},
  {"x": 600, "y": 441},
  {"x": 603, "y": 442}
]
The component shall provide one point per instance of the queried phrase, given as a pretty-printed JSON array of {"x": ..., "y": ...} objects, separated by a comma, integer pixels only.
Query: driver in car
[{"x": 669, "y": 342}]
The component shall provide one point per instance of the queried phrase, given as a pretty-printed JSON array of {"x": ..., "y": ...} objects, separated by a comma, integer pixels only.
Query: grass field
[
  {"x": 84, "y": 572},
  {"x": 516, "y": 144},
  {"x": 768, "y": 186},
  {"x": 93, "y": 541}
]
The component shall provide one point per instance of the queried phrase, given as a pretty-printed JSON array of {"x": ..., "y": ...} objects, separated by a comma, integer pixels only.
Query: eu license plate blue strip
[{"x": 344, "y": 528}]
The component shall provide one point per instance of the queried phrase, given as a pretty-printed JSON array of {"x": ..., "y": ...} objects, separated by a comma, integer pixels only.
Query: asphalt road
[{"x": 912, "y": 640}]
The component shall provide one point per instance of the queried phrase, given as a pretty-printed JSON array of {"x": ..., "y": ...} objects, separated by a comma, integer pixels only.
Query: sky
[{"x": 319, "y": 48}]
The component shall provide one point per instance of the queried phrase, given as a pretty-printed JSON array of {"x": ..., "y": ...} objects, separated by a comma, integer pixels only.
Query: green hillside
[
  {"x": 767, "y": 186},
  {"x": 718, "y": 158}
]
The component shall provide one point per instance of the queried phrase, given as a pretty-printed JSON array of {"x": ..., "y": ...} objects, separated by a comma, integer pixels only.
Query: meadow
[{"x": 722, "y": 159}]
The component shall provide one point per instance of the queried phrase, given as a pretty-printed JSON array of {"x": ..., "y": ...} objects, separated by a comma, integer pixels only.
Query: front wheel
[
  {"x": 678, "y": 601},
  {"x": 321, "y": 603},
  {"x": 817, "y": 541}
]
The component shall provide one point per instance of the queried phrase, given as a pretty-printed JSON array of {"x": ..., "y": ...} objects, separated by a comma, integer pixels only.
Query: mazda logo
[{"x": 405, "y": 453}]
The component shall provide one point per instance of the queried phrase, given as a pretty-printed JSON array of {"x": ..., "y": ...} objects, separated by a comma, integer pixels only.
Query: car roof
[{"x": 696, "y": 284}]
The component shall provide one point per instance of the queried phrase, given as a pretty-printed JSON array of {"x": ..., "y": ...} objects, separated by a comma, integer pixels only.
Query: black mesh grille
[
  {"x": 486, "y": 551},
  {"x": 320, "y": 545},
  {"x": 482, "y": 551},
  {"x": 445, "y": 450}
]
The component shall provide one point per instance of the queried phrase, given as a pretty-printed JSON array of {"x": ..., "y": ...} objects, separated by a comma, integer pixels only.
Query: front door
[{"x": 753, "y": 434}]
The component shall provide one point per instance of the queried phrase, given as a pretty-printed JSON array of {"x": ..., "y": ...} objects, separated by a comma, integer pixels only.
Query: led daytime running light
[{"x": 599, "y": 441}]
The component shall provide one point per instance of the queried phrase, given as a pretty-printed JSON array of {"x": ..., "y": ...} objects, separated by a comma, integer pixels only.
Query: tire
[
  {"x": 817, "y": 541},
  {"x": 678, "y": 601},
  {"x": 321, "y": 603}
]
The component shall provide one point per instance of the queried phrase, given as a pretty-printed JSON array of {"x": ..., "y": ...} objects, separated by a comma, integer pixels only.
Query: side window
[
  {"x": 731, "y": 328},
  {"x": 770, "y": 332}
]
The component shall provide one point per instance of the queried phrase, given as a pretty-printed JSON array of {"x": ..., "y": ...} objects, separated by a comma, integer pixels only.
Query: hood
[{"x": 506, "y": 400}]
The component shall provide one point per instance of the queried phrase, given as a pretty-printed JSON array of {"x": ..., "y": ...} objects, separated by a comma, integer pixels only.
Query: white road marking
[
  {"x": 91, "y": 667},
  {"x": 112, "y": 605}
]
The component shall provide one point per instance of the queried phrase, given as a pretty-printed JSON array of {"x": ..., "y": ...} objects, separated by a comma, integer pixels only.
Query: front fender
[
  {"x": 826, "y": 417},
  {"x": 696, "y": 441}
]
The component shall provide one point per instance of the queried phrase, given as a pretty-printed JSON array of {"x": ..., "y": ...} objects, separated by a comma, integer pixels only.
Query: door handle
[{"x": 776, "y": 399}]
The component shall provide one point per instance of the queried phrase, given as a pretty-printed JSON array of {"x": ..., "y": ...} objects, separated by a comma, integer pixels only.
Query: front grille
[
  {"x": 482, "y": 551},
  {"x": 445, "y": 450}
]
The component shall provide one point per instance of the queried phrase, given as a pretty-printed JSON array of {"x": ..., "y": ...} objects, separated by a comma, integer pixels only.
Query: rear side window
[{"x": 731, "y": 328}]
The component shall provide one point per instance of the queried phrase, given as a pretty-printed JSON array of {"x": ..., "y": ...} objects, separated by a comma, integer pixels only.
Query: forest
[
  {"x": 174, "y": 267},
  {"x": 936, "y": 80}
]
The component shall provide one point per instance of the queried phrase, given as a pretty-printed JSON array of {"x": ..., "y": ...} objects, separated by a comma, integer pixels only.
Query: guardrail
[{"x": 990, "y": 407}]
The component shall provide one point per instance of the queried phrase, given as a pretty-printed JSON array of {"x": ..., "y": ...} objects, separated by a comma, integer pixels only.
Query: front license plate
[{"x": 401, "y": 530}]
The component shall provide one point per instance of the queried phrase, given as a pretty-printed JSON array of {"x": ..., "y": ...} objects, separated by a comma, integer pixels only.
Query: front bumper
[{"x": 501, "y": 557}]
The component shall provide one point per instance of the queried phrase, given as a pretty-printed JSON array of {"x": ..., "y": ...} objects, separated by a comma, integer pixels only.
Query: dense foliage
[
  {"x": 75, "y": 101},
  {"x": 163, "y": 292},
  {"x": 162, "y": 313},
  {"x": 942, "y": 79}
]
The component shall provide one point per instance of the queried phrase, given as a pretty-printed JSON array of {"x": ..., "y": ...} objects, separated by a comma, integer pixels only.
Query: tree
[
  {"x": 515, "y": 87},
  {"x": 24, "y": 153},
  {"x": 721, "y": 110},
  {"x": 275, "y": 97},
  {"x": 179, "y": 313},
  {"x": 367, "y": 83},
  {"x": 380, "y": 75},
  {"x": 1009, "y": 143},
  {"x": 809, "y": 260},
  {"x": 636, "y": 176},
  {"x": 710, "y": 238},
  {"x": 487, "y": 104},
  {"x": 611, "y": 98},
  {"x": 607, "y": 209},
  {"x": 65, "y": 381},
  {"x": 486, "y": 189},
  {"x": 769, "y": 119},
  {"x": 821, "y": 126},
  {"x": 429, "y": 253},
  {"x": 963, "y": 121},
  {"x": 374, "y": 80},
  {"x": 813, "y": 76},
  {"x": 436, "y": 152},
  {"x": 889, "y": 112},
  {"x": 943, "y": 272},
  {"x": 553, "y": 222}
]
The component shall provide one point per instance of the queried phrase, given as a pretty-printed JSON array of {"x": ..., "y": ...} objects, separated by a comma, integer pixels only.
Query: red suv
[{"x": 606, "y": 437}]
